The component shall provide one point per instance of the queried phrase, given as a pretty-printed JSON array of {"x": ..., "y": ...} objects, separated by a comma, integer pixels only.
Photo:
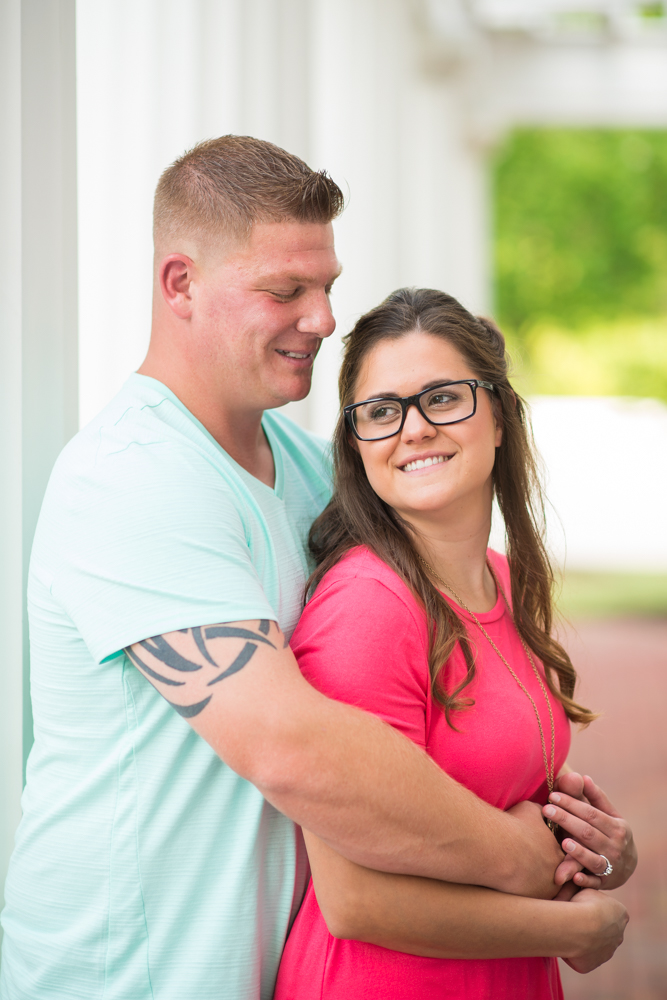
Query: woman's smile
[{"x": 425, "y": 463}]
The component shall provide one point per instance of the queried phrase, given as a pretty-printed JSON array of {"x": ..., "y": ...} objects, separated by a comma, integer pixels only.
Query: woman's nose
[{"x": 416, "y": 427}]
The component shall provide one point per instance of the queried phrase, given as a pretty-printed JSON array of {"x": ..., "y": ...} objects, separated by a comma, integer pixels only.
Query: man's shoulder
[
  {"x": 142, "y": 453},
  {"x": 302, "y": 446},
  {"x": 143, "y": 426}
]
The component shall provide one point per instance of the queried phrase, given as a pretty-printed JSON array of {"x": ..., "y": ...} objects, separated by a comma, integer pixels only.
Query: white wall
[
  {"x": 339, "y": 83},
  {"x": 606, "y": 479},
  {"x": 38, "y": 329},
  {"x": 11, "y": 574}
]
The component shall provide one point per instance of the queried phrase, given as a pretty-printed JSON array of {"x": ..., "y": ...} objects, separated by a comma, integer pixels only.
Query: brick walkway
[{"x": 623, "y": 670}]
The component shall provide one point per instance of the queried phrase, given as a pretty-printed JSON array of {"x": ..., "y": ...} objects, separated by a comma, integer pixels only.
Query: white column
[
  {"x": 342, "y": 83},
  {"x": 154, "y": 78},
  {"x": 38, "y": 350},
  {"x": 11, "y": 560},
  {"x": 394, "y": 132}
]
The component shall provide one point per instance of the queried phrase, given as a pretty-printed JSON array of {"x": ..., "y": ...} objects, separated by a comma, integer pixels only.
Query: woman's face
[{"x": 458, "y": 483}]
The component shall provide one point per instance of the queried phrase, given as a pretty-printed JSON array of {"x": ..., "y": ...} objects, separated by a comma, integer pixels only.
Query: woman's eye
[
  {"x": 442, "y": 399},
  {"x": 384, "y": 412}
]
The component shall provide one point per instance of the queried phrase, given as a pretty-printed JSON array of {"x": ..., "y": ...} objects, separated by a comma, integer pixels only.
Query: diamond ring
[{"x": 608, "y": 870}]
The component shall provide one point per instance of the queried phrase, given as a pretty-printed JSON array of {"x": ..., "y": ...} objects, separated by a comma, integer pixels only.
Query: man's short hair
[{"x": 221, "y": 187}]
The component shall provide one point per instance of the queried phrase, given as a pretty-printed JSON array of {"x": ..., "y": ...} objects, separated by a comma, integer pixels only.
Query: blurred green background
[
  {"x": 581, "y": 259},
  {"x": 580, "y": 264}
]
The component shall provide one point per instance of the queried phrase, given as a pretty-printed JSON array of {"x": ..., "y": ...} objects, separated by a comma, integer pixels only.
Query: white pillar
[
  {"x": 11, "y": 561},
  {"x": 38, "y": 350},
  {"x": 154, "y": 78},
  {"x": 394, "y": 133},
  {"x": 341, "y": 83}
]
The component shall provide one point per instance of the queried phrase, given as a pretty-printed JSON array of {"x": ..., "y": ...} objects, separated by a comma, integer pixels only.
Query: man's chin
[{"x": 289, "y": 393}]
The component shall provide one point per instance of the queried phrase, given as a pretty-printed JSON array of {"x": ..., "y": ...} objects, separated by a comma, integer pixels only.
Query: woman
[{"x": 414, "y": 619}]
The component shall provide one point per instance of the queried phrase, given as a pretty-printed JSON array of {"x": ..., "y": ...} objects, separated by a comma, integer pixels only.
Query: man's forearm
[
  {"x": 340, "y": 772},
  {"x": 381, "y": 802}
]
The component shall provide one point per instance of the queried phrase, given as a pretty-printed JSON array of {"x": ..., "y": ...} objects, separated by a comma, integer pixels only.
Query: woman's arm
[{"x": 442, "y": 920}]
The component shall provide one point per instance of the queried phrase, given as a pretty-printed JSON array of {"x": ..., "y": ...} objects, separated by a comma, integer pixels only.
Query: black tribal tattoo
[{"x": 163, "y": 651}]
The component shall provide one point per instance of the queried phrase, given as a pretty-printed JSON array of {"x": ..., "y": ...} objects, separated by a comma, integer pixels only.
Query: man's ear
[{"x": 175, "y": 277}]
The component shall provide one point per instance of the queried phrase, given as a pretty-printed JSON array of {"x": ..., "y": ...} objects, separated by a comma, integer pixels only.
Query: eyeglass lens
[{"x": 444, "y": 405}]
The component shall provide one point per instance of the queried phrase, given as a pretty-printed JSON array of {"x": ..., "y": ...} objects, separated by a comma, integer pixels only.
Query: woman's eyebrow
[{"x": 390, "y": 394}]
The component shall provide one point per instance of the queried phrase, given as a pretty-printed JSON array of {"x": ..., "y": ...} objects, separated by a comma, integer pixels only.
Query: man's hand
[
  {"x": 581, "y": 808},
  {"x": 608, "y": 919},
  {"x": 529, "y": 817}
]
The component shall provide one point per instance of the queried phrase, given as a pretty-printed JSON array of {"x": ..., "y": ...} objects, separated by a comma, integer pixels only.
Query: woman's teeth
[
  {"x": 423, "y": 464},
  {"x": 293, "y": 354}
]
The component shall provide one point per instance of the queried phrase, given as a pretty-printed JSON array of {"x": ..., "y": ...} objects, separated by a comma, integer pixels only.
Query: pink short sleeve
[{"x": 359, "y": 641}]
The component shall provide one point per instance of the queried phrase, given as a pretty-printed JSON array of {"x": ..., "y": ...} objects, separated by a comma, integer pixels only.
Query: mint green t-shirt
[{"x": 144, "y": 867}]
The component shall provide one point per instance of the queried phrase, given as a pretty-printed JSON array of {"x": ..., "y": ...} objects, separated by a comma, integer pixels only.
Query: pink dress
[{"x": 362, "y": 639}]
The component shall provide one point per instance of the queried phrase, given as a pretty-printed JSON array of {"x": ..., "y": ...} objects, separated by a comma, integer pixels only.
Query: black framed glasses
[{"x": 446, "y": 403}]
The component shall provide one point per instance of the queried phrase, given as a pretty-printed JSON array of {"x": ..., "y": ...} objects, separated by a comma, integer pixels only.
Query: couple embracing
[{"x": 234, "y": 796}]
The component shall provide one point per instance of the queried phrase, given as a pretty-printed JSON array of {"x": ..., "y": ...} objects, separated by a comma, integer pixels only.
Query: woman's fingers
[
  {"x": 595, "y": 834},
  {"x": 583, "y": 880},
  {"x": 581, "y": 819},
  {"x": 570, "y": 782},
  {"x": 591, "y": 860},
  {"x": 566, "y": 871}
]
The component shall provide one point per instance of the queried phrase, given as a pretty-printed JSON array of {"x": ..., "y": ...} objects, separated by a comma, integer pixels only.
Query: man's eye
[{"x": 285, "y": 296}]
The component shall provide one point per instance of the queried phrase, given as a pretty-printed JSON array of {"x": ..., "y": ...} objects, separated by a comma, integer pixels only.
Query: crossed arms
[
  {"x": 373, "y": 802},
  {"x": 352, "y": 780}
]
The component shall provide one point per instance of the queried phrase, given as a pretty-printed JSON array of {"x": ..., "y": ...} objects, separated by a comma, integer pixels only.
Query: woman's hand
[
  {"x": 608, "y": 919},
  {"x": 582, "y": 809}
]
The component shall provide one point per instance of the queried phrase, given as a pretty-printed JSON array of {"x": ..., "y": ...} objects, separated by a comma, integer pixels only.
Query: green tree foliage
[
  {"x": 581, "y": 227},
  {"x": 581, "y": 259}
]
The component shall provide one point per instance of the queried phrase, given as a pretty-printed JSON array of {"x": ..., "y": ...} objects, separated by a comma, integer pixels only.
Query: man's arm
[
  {"x": 441, "y": 920},
  {"x": 354, "y": 781}
]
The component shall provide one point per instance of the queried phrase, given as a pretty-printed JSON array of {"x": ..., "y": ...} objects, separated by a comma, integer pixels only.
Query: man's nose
[
  {"x": 317, "y": 317},
  {"x": 416, "y": 427}
]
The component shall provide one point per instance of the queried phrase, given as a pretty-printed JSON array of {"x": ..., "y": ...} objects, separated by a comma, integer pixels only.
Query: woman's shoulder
[
  {"x": 362, "y": 639},
  {"x": 360, "y": 563},
  {"x": 361, "y": 573}
]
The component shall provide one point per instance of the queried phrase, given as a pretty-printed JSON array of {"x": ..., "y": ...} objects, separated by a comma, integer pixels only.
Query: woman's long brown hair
[{"x": 357, "y": 516}]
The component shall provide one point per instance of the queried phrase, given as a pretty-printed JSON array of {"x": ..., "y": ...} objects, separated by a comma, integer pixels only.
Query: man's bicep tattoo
[{"x": 197, "y": 659}]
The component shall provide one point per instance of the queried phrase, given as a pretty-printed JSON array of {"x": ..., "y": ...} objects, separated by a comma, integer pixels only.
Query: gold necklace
[{"x": 549, "y": 770}]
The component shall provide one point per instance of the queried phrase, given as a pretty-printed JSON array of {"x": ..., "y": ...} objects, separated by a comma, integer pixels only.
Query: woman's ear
[
  {"x": 352, "y": 441},
  {"x": 498, "y": 422}
]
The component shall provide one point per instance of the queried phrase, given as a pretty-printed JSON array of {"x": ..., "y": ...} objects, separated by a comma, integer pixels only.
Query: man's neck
[{"x": 238, "y": 431}]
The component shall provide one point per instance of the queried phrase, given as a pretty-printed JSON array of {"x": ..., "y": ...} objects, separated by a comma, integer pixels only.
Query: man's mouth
[
  {"x": 296, "y": 354},
  {"x": 424, "y": 463}
]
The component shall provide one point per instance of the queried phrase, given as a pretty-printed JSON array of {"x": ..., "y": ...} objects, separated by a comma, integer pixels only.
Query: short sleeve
[
  {"x": 150, "y": 540},
  {"x": 360, "y": 642}
]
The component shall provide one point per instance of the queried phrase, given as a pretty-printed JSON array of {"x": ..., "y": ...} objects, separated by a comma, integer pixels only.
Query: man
[{"x": 175, "y": 738}]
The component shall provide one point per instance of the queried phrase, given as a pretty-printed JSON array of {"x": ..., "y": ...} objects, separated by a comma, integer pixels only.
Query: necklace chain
[{"x": 549, "y": 769}]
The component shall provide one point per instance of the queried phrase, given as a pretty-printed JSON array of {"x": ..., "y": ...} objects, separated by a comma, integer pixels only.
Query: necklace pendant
[{"x": 552, "y": 826}]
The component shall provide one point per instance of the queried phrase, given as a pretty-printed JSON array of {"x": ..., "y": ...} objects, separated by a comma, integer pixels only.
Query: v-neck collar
[{"x": 279, "y": 482}]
